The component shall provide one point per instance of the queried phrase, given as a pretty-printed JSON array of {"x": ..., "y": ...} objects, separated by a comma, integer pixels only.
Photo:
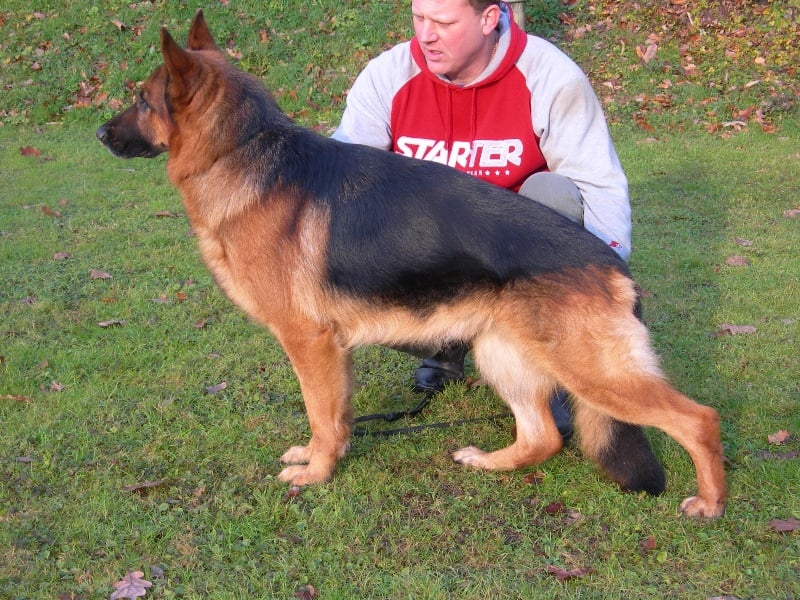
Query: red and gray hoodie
[{"x": 531, "y": 110}]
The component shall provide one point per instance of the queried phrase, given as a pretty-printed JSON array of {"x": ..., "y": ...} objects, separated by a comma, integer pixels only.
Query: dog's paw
[
  {"x": 471, "y": 457},
  {"x": 296, "y": 455},
  {"x": 695, "y": 506},
  {"x": 301, "y": 475}
]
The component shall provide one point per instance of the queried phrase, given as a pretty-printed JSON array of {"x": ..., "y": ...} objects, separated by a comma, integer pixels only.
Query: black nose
[{"x": 102, "y": 133}]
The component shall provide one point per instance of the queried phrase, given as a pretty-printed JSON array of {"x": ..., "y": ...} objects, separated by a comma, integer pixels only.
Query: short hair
[{"x": 481, "y": 5}]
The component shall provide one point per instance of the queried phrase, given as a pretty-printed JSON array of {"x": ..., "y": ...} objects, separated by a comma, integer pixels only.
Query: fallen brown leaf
[
  {"x": 641, "y": 121},
  {"x": 785, "y": 525},
  {"x": 534, "y": 478},
  {"x": 294, "y": 492},
  {"x": 476, "y": 382},
  {"x": 306, "y": 592},
  {"x": 779, "y": 437},
  {"x": 728, "y": 329},
  {"x": 555, "y": 508},
  {"x": 767, "y": 455},
  {"x": 16, "y": 398},
  {"x": 112, "y": 323},
  {"x": 215, "y": 389},
  {"x": 737, "y": 261},
  {"x": 565, "y": 574},
  {"x": 145, "y": 485},
  {"x": 648, "y": 53},
  {"x": 97, "y": 274},
  {"x": 648, "y": 544},
  {"x": 131, "y": 586},
  {"x": 30, "y": 151}
]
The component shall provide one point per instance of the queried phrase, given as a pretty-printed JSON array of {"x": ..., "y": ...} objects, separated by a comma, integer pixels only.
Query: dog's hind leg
[
  {"x": 527, "y": 393},
  {"x": 619, "y": 378},
  {"x": 324, "y": 371}
]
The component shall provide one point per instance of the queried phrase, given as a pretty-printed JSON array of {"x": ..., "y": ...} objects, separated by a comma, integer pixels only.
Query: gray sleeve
[
  {"x": 367, "y": 115},
  {"x": 575, "y": 141}
]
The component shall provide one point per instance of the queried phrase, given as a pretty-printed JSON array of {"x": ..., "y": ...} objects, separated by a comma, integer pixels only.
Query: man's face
[{"x": 454, "y": 38}]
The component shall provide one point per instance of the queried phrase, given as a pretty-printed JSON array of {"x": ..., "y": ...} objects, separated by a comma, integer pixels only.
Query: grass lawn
[{"x": 121, "y": 450}]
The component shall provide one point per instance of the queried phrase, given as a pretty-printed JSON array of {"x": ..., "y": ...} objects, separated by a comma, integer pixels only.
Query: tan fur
[{"x": 573, "y": 329}]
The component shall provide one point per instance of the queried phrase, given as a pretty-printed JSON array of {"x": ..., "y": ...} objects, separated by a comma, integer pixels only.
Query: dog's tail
[{"x": 622, "y": 450}]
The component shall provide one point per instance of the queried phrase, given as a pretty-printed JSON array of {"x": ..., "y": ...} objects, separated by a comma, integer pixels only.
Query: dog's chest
[{"x": 229, "y": 273}]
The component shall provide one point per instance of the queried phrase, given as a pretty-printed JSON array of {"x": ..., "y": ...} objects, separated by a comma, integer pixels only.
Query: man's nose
[{"x": 426, "y": 31}]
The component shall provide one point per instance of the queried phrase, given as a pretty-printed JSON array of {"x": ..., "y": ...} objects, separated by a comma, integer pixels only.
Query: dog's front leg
[{"x": 323, "y": 368}]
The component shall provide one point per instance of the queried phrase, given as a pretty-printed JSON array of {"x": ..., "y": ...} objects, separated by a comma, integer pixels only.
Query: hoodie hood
[{"x": 476, "y": 127}]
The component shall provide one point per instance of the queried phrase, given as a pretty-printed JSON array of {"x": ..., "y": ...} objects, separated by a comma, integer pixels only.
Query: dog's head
[{"x": 145, "y": 128}]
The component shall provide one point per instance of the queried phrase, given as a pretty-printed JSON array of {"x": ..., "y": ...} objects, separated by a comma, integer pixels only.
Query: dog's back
[{"x": 402, "y": 229}]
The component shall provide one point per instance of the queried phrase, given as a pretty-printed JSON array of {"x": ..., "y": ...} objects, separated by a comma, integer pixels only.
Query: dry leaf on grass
[
  {"x": 565, "y": 574},
  {"x": 534, "y": 478},
  {"x": 729, "y": 329},
  {"x": 785, "y": 525},
  {"x": 111, "y": 323},
  {"x": 16, "y": 398},
  {"x": 737, "y": 261},
  {"x": 131, "y": 586},
  {"x": 216, "y": 389},
  {"x": 779, "y": 437},
  {"x": 647, "y": 545},
  {"x": 306, "y": 592},
  {"x": 646, "y": 53},
  {"x": 555, "y": 508},
  {"x": 145, "y": 485},
  {"x": 97, "y": 274}
]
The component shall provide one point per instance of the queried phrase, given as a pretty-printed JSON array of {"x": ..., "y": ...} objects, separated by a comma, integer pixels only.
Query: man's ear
[
  {"x": 183, "y": 68},
  {"x": 200, "y": 37},
  {"x": 490, "y": 18}
]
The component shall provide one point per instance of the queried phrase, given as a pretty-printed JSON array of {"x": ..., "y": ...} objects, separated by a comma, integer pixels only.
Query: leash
[{"x": 391, "y": 417}]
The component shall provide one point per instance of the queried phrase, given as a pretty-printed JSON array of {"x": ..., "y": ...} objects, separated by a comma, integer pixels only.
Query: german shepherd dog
[{"x": 332, "y": 246}]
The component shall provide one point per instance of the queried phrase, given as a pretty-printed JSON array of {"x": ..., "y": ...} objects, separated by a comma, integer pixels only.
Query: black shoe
[
  {"x": 445, "y": 367},
  {"x": 562, "y": 415},
  {"x": 432, "y": 376}
]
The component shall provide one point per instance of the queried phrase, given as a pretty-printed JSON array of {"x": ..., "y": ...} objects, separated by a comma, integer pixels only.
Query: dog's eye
[{"x": 141, "y": 102}]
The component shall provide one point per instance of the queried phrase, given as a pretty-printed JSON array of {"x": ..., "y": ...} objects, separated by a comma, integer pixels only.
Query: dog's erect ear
[
  {"x": 200, "y": 37},
  {"x": 183, "y": 68}
]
